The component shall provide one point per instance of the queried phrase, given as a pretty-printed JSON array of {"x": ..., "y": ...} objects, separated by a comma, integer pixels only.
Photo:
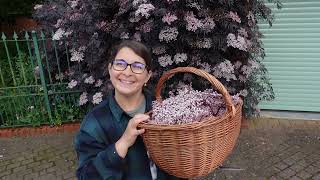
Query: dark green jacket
[{"x": 95, "y": 146}]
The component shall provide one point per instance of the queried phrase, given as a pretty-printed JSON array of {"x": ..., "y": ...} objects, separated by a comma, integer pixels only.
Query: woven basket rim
[{"x": 195, "y": 125}]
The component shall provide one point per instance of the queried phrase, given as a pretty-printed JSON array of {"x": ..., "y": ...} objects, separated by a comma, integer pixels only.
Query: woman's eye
[{"x": 138, "y": 65}]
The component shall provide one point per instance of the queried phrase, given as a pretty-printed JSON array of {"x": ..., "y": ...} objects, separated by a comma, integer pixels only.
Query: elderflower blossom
[
  {"x": 138, "y": 2},
  {"x": 208, "y": 24},
  {"x": 137, "y": 36},
  {"x": 159, "y": 50},
  {"x": 234, "y": 16},
  {"x": 237, "y": 42},
  {"x": 98, "y": 83},
  {"x": 73, "y": 83},
  {"x": 89, "y": 80},
  {"x": 189, "y": 106},
  {"x": 124, "y": 35},
  {"x": 192, "y": 22},
  {"x": 83, "y": 98},
  {"x": 180, "y": 57},
  {"x": 205, "y": 43},
  {"x": 37, "y": 6},
  {"x": 169, "y": 18},
  {"x": 97, "y": 98},
  {"x": 168, "y": 34},
  {"x": 165, "y": 60},
  {"x": 58, "y": 34},
  {"x": 144, "y": 10},
  {"x": 77, "y": 55},
  {"x": 74, "y": 3},
  {"x": 226, "y": 70}
]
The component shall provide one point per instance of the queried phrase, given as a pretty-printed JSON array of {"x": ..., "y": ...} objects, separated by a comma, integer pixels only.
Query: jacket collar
[{"x": 117, "y": 111}]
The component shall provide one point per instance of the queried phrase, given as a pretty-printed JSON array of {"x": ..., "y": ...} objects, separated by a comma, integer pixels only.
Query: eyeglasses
[{"x": 121, "y": 65}]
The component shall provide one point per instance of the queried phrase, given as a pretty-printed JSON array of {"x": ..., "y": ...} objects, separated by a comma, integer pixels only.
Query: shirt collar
[{"x": 117, "y": 111}]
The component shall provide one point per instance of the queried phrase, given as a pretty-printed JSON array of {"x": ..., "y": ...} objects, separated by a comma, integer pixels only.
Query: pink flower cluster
[
  {"x": 234, "y": 16},
  {"x": 238, "y": 42},
  {"x": 169, "y": 18},
  {"x": 192, "y": 22},
  {"x": 226, "y": 70},
  {"x": 189, "y": 106}
]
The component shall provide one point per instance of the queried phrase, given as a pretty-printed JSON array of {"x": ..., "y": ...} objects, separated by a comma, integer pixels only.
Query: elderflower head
[
  {"x": 180, "y": 57},
  {"x": 168, "y": 34},
  {"x": 97, "y": 98},
  {"x": 169, "y": 18},
  {"x": 144, "y": 10},
  {"x": 89, "y": 80},
  {"x": 165, "y": 60},
  {"x": 83, "y": 98},
  {"x": 73, "y": 83}
]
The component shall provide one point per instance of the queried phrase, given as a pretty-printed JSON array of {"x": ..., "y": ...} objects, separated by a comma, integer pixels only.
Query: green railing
[{"x": 33, "y": 90}]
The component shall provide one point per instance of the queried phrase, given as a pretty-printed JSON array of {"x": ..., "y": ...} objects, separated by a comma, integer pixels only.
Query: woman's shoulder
[{"x": 91, "y": 122}]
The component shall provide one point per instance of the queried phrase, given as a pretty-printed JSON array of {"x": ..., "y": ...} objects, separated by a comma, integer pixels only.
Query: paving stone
[
  {"x": 287, "y": 173},
  {"x": 316, "y": 177},
  {"x": 264, "y": 153},
  {"x": 281, "y": 165},
  {"x": 304, "y": 174},
  {"x": 295, "y": 178}
]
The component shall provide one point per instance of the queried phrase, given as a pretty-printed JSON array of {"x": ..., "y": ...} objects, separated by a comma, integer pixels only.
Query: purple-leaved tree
[{"x": 219, "y": 36}]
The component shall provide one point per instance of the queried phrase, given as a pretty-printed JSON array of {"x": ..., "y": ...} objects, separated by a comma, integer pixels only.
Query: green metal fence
[{"x": 32, "y": 92}]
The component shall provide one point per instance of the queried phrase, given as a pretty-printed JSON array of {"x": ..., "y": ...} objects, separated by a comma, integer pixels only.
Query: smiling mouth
[{"x": 125, "y": 81}]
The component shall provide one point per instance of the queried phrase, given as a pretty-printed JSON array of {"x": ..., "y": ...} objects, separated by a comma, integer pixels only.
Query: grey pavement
[{"x": 276, "y": 149}]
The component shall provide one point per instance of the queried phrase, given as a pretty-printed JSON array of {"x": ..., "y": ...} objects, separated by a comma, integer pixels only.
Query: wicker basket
[{"x": 193, "y": 150}]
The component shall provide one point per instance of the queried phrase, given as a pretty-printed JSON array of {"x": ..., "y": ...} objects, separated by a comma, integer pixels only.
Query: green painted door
[{"x": 292, "y": 47}]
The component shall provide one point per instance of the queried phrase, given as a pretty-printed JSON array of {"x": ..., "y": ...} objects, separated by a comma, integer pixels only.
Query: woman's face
[{"x": 126, "y": 82}]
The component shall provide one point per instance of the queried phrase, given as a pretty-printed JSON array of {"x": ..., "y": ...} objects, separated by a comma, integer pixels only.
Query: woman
[{"x": 108, "y": 144}]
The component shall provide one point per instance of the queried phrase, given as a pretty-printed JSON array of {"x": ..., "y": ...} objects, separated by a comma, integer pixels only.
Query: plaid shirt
[{"x": 95, "y": 146}]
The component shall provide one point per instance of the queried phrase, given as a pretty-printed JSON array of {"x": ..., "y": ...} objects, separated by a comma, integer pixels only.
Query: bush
[{"x": 219, "y": 36}]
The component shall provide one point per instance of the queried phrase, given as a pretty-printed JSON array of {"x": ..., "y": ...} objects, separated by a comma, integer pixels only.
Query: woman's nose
[{"x": 128, "y": 71}]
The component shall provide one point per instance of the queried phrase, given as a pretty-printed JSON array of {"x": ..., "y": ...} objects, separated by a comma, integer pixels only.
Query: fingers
[
  {"x": 140, "y": 131},
  {"x": 139, "y": 118}
]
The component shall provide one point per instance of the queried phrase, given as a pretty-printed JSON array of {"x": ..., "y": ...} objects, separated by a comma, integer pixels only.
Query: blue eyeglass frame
[{"x": 127, "y": 64}]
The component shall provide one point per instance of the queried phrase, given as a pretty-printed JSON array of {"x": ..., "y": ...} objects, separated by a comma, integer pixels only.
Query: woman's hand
[{"x": 130, "y": 135}]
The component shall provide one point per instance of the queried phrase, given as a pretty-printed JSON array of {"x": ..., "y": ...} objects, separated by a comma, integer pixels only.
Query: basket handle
[{"x": 199, "y": 72}]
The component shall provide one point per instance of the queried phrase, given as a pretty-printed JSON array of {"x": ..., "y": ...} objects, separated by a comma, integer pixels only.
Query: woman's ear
[{"x": 149, "y": 75}]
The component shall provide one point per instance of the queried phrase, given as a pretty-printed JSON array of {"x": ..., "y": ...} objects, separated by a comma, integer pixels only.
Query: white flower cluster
[
  {"x": 73, "y": 83},
  {"x": 189, "y": 106},
  {"x": 138, "y": 2},
  {"x": 144, "y": 10},
  {"x": 180, "y": 57},
  {"x": 226, "y": 70},
  {"x": 98, "y": 83},
  {"x": 37, "y": 6},
  {"x": 237, "y": 42},
  {"x": 97, "y": 98},
  {"x": 165, "y": 60},
  {"x": 58, "y": 34},
  {"x": 83, "y": 98},
  {"x": 192, "y": 22},
  {"x": 89, "y": 80},
  {"x": 234, "y": 16},
  {"x": 169, "y": 18},
  {"x": 168, "y": 34},
  {"x": 77, "y": 55}
]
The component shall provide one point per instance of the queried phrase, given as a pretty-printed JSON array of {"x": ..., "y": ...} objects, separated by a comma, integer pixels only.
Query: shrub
[{"x": 220, "y": 36}]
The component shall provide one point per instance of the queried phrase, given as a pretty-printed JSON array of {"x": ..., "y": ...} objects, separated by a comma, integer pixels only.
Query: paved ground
[{"x": 265, "y": 150}]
